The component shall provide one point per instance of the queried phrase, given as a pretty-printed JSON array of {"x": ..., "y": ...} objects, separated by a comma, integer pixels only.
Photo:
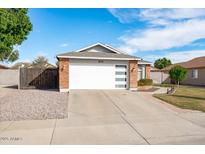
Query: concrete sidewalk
[{"x": 111, "y": 117}]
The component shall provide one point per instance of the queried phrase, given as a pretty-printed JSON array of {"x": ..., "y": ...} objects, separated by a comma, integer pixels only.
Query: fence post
[{"x": 19, "y": 74}]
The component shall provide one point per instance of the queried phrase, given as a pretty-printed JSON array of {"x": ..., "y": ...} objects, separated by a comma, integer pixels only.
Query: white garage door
[{"x": 95, "y": 75}]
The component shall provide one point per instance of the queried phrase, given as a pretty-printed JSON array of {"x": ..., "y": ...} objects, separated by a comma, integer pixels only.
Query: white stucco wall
[{"x": 159, "y": 77}]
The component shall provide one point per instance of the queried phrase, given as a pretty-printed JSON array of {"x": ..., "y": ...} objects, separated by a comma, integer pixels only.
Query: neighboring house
[
  {"x": 20, "y": 65},
  {"x": 29, "y": 65},
  {"x": 159, "y": 76},
  {"x": 46, "y": 65},
  {"x": 154, "y": 69},
  {"x": 196, "y": 71},
  {"x": 3, "y": 67},
  {"x": 100, "y": 66}
]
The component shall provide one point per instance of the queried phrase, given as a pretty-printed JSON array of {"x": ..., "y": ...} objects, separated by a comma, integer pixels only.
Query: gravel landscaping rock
[{"x": 32, "y": 104}]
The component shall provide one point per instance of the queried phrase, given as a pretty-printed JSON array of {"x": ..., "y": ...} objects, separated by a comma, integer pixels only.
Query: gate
[{"x": 39, "y": 78}]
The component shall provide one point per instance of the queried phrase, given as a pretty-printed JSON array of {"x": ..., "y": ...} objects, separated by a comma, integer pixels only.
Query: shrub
[
  {"x": 178, "y": 74},
  {"x": 145, "y": 82}
]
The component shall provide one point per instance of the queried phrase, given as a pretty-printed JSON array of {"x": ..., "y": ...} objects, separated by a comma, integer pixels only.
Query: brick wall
[
  {"x": 63, "y": 73},
  {"x": 133, "y": 67},
  {"x": 147, "y": 71}
]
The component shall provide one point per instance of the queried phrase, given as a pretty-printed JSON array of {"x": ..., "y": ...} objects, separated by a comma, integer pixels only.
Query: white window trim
[{"x": 142, "y": 71}]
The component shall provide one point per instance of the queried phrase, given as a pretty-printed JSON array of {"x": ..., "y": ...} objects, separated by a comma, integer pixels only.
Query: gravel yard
[{"x": 32, "y": 104}]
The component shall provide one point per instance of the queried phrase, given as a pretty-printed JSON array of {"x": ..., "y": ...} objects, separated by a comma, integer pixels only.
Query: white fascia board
[
  {"x": 90, "y": 46},
  {"x": 116, "y": 50},
  {"x": 144, "y": 63},
  {"x": 106, "y": 58},
  {"x": 110, "y": 48}
]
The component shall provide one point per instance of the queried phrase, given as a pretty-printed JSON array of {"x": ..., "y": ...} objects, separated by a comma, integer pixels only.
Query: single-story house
[
  {"x": 196, "y": 71},
  {"x": 20, "y": 65},
  {"x": 100, "y": 66},
  {"x": 45, "y": 65},
  {"x": 154, "y": 69},
  {"x": 30, "y": 65}
]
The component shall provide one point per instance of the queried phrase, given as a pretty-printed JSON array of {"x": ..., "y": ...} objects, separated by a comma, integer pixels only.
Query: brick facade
[
  {"x": 133, "y": 74},
  {"x": 147, "y": 71},
  {"x": 133, "y": 68},
  {"x": 63, "y": 73}
]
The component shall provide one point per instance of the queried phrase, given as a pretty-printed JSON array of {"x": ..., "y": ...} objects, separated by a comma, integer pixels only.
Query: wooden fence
[{"x": 38, "y": 78}]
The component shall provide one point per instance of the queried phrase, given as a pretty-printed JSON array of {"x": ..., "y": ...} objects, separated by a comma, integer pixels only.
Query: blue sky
[{"x": 177, "y": 34}]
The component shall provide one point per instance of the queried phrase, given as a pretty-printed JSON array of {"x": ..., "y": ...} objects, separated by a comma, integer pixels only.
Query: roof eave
[
  {"x": 145, "y": 63},
  {"x": 103, "y": 45},
  {"x": 105, "y": 58}
]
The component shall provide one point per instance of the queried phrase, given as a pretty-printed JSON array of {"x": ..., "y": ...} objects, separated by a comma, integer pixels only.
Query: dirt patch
[{"x": 153, "y": 89}]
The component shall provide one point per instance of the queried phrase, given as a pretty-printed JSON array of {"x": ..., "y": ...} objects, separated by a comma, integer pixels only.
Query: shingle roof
[
  {"x": 96, "y": 55},
  {"x": 194, "y": 63},
  {"x": 144, "y": 61},
  {"x": 45, "y": 65},
  {"x": 20, "y": 64},
  {"x": 154, "y": 69}
]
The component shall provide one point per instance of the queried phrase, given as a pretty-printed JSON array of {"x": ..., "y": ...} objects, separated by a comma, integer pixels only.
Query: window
[
  {"x": 120, "y": 86},
  {"x": 120, "y": 66},
  {"x": 141, "y": 72},
  {"x": 120, "y": 73},
  {"x": 194, "y": 73},
  {"x": 120, "y": 79},
  {"x": 120, "y": 76}
]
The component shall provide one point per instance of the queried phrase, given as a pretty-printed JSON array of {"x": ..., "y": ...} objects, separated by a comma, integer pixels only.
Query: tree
[
  {"x": 162, "y": 63},
  {"x": 15, "y": 26},
  {"x": 178, "y": 74},
  {"x": 40, "y": 61}
]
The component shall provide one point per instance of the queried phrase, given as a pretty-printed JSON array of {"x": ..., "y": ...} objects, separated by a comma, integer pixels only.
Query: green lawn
[{"x": 186, "y": 97}]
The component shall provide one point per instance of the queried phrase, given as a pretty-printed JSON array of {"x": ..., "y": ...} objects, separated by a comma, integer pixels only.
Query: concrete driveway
[{"x": 111, "y": 117}]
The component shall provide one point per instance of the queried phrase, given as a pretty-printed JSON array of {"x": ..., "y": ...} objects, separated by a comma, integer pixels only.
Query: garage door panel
[{"x": 92, "y": 76}]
